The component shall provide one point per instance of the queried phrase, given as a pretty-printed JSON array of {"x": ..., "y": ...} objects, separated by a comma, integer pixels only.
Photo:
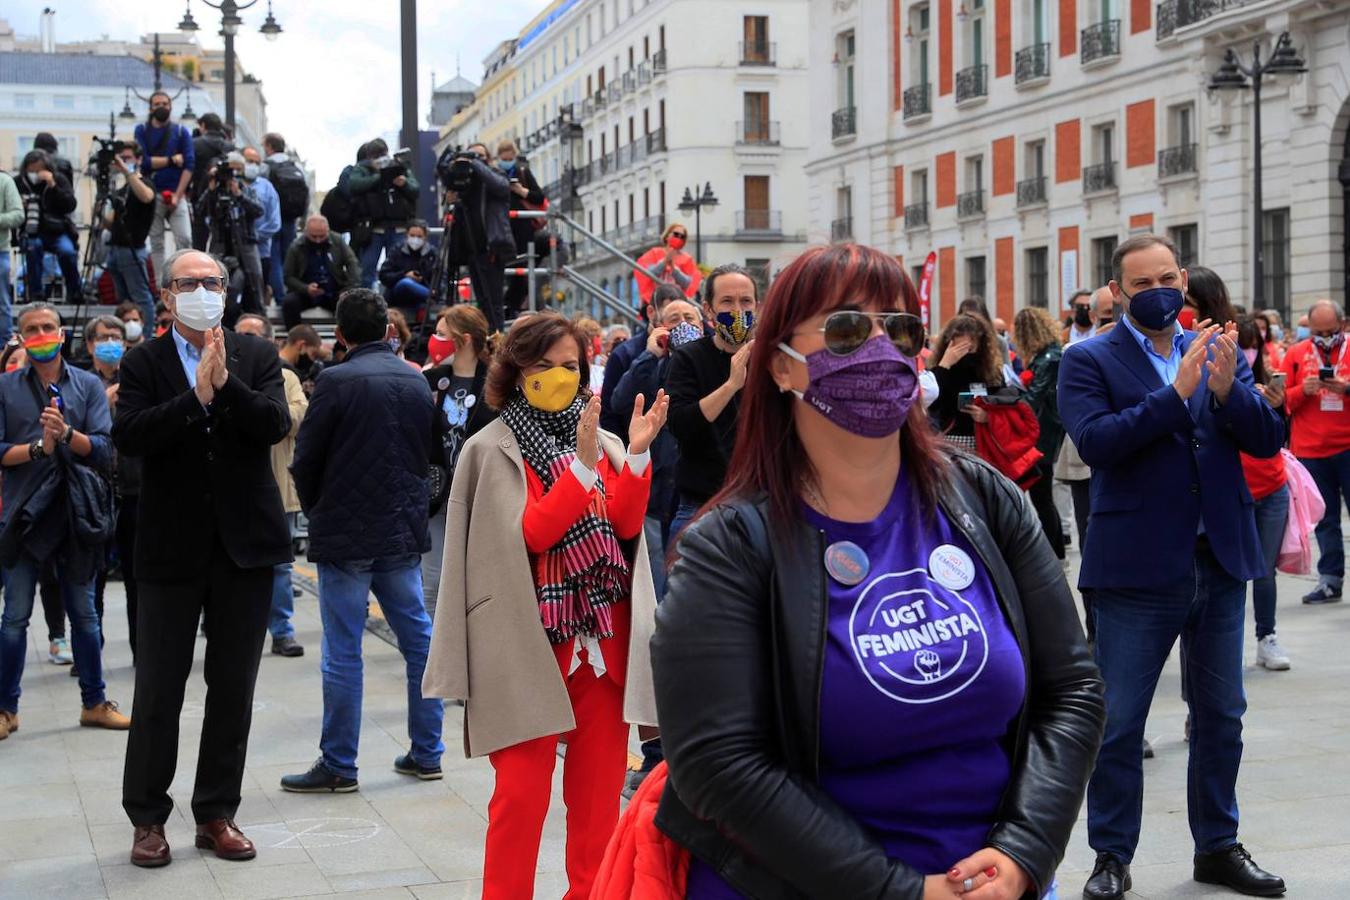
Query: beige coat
[
  {"x": 284, "y": 452},
  {"x": 488, "y": 647}
]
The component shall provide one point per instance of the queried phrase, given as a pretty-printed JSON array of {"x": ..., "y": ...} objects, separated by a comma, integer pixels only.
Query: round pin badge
[
  {"x": 847, "y": 563},
  {"x": 469, "y": 401},
  {"x": 443, "y": 384},
  {"x": 951, "y": 567}
]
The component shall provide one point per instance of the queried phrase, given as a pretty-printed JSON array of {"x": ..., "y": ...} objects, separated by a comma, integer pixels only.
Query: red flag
[{"x": 926, "y": 288}]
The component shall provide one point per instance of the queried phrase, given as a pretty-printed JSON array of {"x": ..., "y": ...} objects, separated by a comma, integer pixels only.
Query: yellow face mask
[{"x": 552, "y": 390}]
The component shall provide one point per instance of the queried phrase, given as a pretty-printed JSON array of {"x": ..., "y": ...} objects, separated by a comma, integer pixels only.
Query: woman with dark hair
[
  {"x": 548, "y": 602},
  {"x": 968, "y": 358},
  {"x": 1037, "y": 337},
  {"x": 1208, "y": 296},
  {"x": 704, "y": 383},
  {"x": 870, "y": 676},
  {"x": 48, "y": 201}
]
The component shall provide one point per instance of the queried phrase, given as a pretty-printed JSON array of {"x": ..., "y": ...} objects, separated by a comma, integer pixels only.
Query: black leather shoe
[
  {"x": 1234, "y": 868},
  {"x": 1110, "y": 879},
  {"x": 287, "y": 646},
  {"x": 318, "y": 780}
]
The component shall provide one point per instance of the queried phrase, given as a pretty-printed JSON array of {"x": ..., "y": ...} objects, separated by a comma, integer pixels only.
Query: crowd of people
[{"x": 815, "y": 554}]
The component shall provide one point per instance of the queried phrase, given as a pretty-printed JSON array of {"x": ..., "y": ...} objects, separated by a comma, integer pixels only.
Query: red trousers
[{"x": 593, "y": 774}]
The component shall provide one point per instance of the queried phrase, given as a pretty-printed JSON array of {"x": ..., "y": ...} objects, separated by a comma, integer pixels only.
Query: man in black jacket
[
  {"x": 202, "y": 407},
  {"x": 209, "y": 145},
  {"x": 482, "y": 233},
  {"x": 45, "y": 140},
  {"x": 319, "y": 267},
  {"x": 48, "y": 200},
  {"x": 230, "y": 207},
  {"x": 360, "y": 469}
]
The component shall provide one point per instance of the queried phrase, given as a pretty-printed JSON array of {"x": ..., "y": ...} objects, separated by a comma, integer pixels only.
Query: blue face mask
[
  {"x": 507, "y": 165},
  {"x": 1302, "y": 332},
  {"x": 109, "y": 352},
  {"x": 1156, "y": 308}
]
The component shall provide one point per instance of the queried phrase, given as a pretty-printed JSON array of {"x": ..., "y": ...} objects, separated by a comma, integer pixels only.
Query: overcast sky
[{"x": 332, "y": 77}]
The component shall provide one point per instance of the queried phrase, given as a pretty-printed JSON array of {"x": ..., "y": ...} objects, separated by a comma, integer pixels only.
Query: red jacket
[
  {"x": 1008, "y": 440},
  {"x": 1315, "y": 432},
  {"x": 641, "y": 863},
  {"x": 683, "y": 261}
]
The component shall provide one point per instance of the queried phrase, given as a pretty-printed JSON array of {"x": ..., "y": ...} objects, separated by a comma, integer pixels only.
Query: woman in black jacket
[
  {"x": 969, "y": 360},
  {"x": 48, "y": 201},
  {"x": 1037, "y": 336},
  {"x": 525, "y": 194},
  {"x": 870, "y": 678}
]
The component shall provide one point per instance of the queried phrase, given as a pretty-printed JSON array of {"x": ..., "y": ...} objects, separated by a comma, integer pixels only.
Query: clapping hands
[{"x": 643, "y": 428}]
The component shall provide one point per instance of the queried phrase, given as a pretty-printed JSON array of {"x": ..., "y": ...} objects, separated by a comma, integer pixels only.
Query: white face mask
[
  {"x": 32, "y": 177},
  {"x": 250, "y": 171},
  {"x": 416, "y": 243},
  {"x": 200, "y": 310},
  {"x": 134, "y": 330}
]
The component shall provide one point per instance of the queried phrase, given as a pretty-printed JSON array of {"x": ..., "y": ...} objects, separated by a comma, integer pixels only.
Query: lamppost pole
[
  {"x": 229, "y": 27},
  {"x": 691, "y": 203}
]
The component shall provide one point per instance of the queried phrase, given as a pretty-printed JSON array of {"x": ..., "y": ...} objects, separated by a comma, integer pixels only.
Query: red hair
[{"x": 769, "y": 457}]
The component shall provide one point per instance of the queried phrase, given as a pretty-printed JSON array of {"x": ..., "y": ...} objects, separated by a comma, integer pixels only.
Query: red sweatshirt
[{"x": 1317, "y": 428}]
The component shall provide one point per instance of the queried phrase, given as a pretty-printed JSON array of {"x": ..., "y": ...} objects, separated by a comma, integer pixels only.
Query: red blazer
[
  {"x": 683, "y": 261},
  {"x": 1008, "y": 440}
]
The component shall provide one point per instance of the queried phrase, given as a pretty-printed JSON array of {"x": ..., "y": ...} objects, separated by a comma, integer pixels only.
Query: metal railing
[
  {"x": 842, "y": 229},
  {"x": 615, "y": 92},
  {"x": 916, "y": 215},
  {"x": 1031, "y": 191},
  {"x": 972, "y": 82},
  {"x": 1178, "y": 160},
  {"x": 656, "y": 141},
  {"x": 844, "y": 122},
  {"x": 1166, "y": 19},
  {"x": 1101, "y": 177},
  {"x": 970, "y": 204},
  {"x": 1174, "y": 14},
  {"x": 918, "y": 100},
  {"x": 625, "y": 157},
  {"x": 598, "y": 99},
  {"x": 762, "y": 133},
  {"x": 630, "y": 82},
  {"x": 1101, "y": 41},
  {"x": 644, "y": 73},
  {"x": 659, "y": 62},
  {"x": 1032, "y": 63},
  {"x": 758, "y": 53},
  {"x": 766, "y": 221}
]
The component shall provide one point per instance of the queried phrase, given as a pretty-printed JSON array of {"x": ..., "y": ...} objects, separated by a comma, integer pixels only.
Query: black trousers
[
  {"x": 293, "y": 304},
  {"x": 1042, "y": 495},
  {"x": 1082, "y": 508},
  {"x": 487, "y": 275},
  {"x": 236, "y": 603},
  {"x": 125, "y": 539}
]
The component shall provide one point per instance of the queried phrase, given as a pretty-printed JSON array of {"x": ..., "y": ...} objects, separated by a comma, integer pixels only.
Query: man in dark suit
[
  {"x": 1160, "y": 414},
  {"x": 202, "y": 407}
]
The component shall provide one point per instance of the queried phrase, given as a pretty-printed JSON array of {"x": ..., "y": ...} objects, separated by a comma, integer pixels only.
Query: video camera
[
  {"x": 395, "y": 164},
  {"x": 224, "y": 173},
  {"x": 456, "y": 170},
  {"x": 105, "y": 151}
]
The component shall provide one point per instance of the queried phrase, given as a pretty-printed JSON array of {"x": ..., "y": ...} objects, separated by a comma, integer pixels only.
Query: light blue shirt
[
  {"x": 1168, "y": 368},
  {"x": 269, "y": 223},
  {"x": 188, "y": 355}
]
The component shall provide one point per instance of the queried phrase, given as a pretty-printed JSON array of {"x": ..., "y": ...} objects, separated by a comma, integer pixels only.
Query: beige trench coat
[
  {"x": 284, "y": 451},
  {"x": 488, "y": 647}
]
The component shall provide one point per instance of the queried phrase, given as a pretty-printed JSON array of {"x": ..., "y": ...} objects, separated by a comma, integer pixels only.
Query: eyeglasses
[
  {"x": 185, "y": 285},
  {"x": 678, "y": 234},
  {"x": 848, "y": 329}
]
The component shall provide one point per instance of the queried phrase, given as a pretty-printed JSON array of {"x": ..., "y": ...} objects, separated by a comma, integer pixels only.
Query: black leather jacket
[{"x": 738, "y": 658}]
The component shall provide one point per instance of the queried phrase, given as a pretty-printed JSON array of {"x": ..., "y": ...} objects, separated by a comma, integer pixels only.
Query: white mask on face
[
  {"x": 251, "y": 171},
  {"x": 32, "y": 177},
  {"x": 200, "y": 310},
  {"x": 134, "y": 330},
  {"x": 416, "y": 243}
]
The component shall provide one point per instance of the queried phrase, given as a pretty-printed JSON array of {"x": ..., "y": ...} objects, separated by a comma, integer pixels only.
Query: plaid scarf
[{"x": 584, "y": 574}]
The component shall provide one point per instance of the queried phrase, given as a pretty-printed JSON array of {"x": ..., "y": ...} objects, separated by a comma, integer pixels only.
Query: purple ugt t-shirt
[{"x": 923, "y": 681}]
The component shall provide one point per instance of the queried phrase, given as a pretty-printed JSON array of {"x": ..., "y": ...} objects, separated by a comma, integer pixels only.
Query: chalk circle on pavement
[{"x": 313, "y": 834}]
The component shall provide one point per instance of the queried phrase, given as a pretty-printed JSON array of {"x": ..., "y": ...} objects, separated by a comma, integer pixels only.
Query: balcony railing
[
  {"x": 844, "y": 123},
  {"x": 1101, "y": 41},
  {"x": 1173, "y": 161},
  {"x": 644, "y": 73},
  {"x": 916, "y": 215},
  {"x": 615, "y": 92},
  {"x": 758, "y": 53},
  {"x": 972, "y": 82},
  {"x": 1033, "y": 63},
  {"x": 1174, "y": 14},
  {"x": 761, "y": 221},
  {"x": 918, "y": 100},
  {"x": 656, "y": 141},
  {"x": 630, "y": 82},
  {"x": 598, "y": 99},
  {"x": 1166, "y": 18},
  {"x": 1031, "y": 191},
  {"x": 970, "y": 204},
  {"x": 659, "y": 62},
  {"x": 623, "y": 157},
  {"x": 1098, "y": 178},
  {"x": 761, "y": 133},
  {"x": 842, "y": 229}
]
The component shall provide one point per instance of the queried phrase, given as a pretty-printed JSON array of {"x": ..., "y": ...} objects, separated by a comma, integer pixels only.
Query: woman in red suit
[{"x": 668, "y": 264}]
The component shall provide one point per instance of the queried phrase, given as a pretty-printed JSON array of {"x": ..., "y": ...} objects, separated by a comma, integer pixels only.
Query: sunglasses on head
[{"x": 848, "y": 329}]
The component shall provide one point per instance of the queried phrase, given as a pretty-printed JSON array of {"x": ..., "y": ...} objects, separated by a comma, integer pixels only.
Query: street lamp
[
  {"x": 230, "y": 21},
  {"x": 127, "y": 113},
  {"x": 690, "y": 204},
  {"x": 1233, "y": 75}
]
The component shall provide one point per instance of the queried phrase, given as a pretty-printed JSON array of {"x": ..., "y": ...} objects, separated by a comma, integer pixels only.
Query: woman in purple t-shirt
[{"x": 870, "y": 675}]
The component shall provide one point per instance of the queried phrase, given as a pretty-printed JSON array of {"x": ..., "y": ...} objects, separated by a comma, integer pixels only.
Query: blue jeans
[
  {"x": 1272, "y": 513},
  {"x": 283, "y": 598},
  {"x": 408, "y": 294},
  {"x": 281, "y": 242},
  {"x": 66, "y": 256},
  {"x": 380, "y": 241},
  {"x": 344, "y": 589},
  {"x": 1332, "y": 474},
  {"x": 685, "y": 510},
  {"x": 127, "y": 267},
  {"x": 1136, "y": 629},
  {"x": 6, "y": 316},
  {"x": 85, "y": 638}
]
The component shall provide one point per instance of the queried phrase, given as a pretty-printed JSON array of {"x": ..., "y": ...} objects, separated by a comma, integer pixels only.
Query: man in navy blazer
[{"x": 1160, "y": 414}]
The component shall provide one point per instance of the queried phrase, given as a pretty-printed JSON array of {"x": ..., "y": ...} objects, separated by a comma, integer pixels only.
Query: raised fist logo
[{"x": 929, "y": 665}]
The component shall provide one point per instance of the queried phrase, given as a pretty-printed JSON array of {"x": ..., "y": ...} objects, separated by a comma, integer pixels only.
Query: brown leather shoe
[
  {"x": 104, "y": 715},
  {"x": 149, "y": 849},
  {"x": 9, "y": 723},
  {"x": 225, "y": 838}
]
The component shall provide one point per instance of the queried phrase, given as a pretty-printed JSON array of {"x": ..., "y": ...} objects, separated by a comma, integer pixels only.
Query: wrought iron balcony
[
  {"x": 1166, "y": 18},
  {"x": 970, "y": 204},
  {"x": 916, "y": 215},
  {"x": 761, "y": 133},
  {"x": 918, "y": 100},
  {"x": 1174, "y": 161},
  {"x": 758, "y": 53},
  {"x": 598, "y": 99},
  {"x": 759, "y": 221},
  {"x": 1033, "y": 63},
  {"x": 630, "y": 82},
  {"x": 615, "y": 92},
  {"x": 1031, "y": 191},
  {"x": 659, "y": 62},
  {"x": 1101, "y": 41},
  {"x": 1174, "y": 14},
  {"x": 844, "y": 123},
  {"x": 656, "y": 141},
  {"x": 971, "y": 83},
  {"x": 624, "y": 157},
  {"x": 644, "y": 73},
  {"x": 842, "y": 229},
  {"x": 1098, "y": 178}
]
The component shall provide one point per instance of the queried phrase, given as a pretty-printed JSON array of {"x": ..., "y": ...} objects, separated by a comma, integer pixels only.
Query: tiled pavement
[{"x": 63, "y": 833}]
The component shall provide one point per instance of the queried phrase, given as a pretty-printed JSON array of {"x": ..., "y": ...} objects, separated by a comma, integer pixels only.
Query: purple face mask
[{"x": 868, "y": 392}]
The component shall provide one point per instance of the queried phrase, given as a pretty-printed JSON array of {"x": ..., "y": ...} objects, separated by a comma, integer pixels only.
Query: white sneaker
[
  {"x": 59, "y": 653},
  {"x": 1270, "y": 654}
]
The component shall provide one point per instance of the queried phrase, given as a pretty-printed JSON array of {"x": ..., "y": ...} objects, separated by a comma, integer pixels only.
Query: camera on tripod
[
  {"x": 224, "y": 174},
  {"x": 102, "y": 158},
  {"x": 395, "y": 164}
]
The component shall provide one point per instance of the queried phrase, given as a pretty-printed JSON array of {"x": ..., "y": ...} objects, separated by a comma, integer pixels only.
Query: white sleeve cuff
[
  {"x": 582, "y": 474},
  {"x": 638, "y": 462}
]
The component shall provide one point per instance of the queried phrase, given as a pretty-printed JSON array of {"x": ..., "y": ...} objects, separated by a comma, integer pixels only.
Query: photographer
[
  {"x": 385, "y": 189},
  {"x": 229, "y": 208},
  {"x": 45, "y": 140},
  {"x": 209, "y": 145},
  {"x": 407, "y": 271},
  {"x": 480, "y": 197},
  {"x": 11, "y": 217},
  {"x": 127, "y": 216},
  {"x": 319, "y": 267},
  {"x": 168, "y": 147},
  {"x": 266, "y": 226},
  {"x": 47, "y": 201},
  {"x": 525, "y": 194}
]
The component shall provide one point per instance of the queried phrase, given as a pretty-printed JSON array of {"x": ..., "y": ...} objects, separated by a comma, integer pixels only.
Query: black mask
[
  {"x": 1082, "y": 316},
  {"x": 160, "y": 115},
  {"x": 318, "y": 245}
]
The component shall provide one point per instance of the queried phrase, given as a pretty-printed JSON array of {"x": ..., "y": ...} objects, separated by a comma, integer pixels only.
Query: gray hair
[
  {"x": 112, "y": 322},
  {"x": 37, "y": 306},
  {"x": 166, "y": 277},
  {"x": 266, "y": 323},
  {"x": 1339, "y": 310},
  {"x": 316, "y": 217}
]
